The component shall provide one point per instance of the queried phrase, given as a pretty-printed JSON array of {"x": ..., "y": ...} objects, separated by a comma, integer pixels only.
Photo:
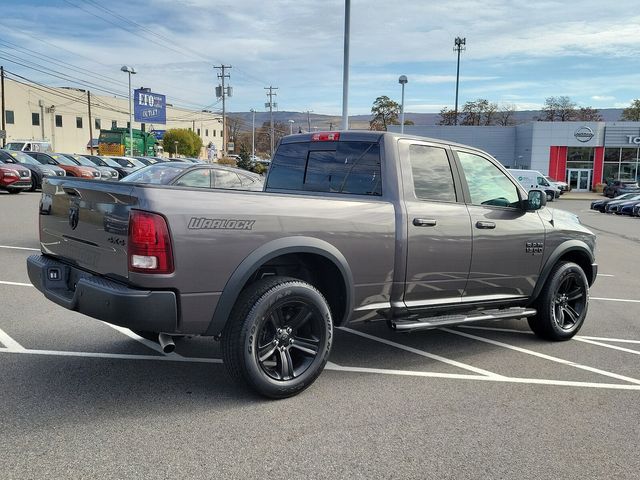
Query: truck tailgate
[{"x": 86, "y": 223}]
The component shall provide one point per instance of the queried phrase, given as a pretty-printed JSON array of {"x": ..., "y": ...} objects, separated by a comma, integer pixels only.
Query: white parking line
[
  {"x": 614, "y": 299},
  {"x": 118, "y": 356},
  {"x": 605, "y": 275},
  {"x": 613, "y": 347},
  {"x": 432, "y": 356},
  {"x": 338, "y": 368},
  {"x": 9, "y": 342},
  {"x": 546, "y": 357},
  {"x": 16, "y": 284},
  {"x": 147, "y": 343},
  {"x": 526, "y": 332},
  {"x": 534, "y": 381},
  {"x": 20, "y": 248}
]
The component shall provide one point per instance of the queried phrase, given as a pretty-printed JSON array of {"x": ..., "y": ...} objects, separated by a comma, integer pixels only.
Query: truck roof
[{"x": 367, "y": 135}]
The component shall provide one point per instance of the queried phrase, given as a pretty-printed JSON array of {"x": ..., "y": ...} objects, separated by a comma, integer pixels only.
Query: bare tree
[
  {"x": 588, "y": 114},
  {"x": 558, "y": 109},
  {"x": 632, "y": 112},
  {"x": 479, "y": 112},
  {"x": 385, "y": 112},
  {"x": 505, "y": 115},
  {"x": 447, "y": 117}
]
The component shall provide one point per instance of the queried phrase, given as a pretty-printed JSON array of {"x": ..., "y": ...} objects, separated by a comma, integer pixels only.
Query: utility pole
[
  {"x": 4, "y": 126},
  {"x": 222, "y": 92},
  {"x": 271, "y": 94},
  {"x": 41, "y": 105},
  {"x": 345, "y": 66},
  {"x": 90, "y": 122},
  {"x": 253, "y": 134},
  {"x": 309, "y": 120},
  {"x": 458, "y": 46}
]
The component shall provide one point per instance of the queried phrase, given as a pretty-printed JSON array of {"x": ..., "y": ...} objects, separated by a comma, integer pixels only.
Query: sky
[{"x": 517, "y": 52}]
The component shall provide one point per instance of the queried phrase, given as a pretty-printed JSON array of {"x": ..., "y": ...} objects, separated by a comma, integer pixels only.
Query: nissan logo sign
[{"x": 584, "y": 134}]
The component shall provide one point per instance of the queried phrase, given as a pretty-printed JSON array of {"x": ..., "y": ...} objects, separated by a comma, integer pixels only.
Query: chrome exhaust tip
[{"x": 166, "y": 343}]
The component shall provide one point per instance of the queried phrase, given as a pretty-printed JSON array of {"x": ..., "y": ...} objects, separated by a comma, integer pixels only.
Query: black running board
[{"x": 455, "y": 319}]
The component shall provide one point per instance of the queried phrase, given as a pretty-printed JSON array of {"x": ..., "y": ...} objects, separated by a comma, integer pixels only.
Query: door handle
[
  {"x": 485, "y": 225},
  {"x": 424, "y": 222}
]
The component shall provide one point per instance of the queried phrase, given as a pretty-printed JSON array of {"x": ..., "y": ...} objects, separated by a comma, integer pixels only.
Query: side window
[
  {"x": 432, "y": 177},
  {"x": 229, "y": 180},
  {"x": 487, "y": 184},
  {"x": 200, "y": 178},
  {"x": 288, "y": 165}
]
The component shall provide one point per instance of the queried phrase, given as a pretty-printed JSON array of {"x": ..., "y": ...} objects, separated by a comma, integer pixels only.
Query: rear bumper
[{"x": 103, "y": 299}]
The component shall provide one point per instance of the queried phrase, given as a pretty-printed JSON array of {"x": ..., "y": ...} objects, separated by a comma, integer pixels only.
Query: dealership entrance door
[{"x": 580, "y": 179}]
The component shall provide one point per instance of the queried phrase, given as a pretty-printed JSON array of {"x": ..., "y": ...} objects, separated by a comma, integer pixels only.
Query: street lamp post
[
  {"x": 130, "y": 71},
  {"x": 291, "y": 122},
  {"x": 458, "y": 46},
  {"x": 175, "y": 144},
  {"x": 253, "y": 134},
  {"x": 402, "y": 81}
]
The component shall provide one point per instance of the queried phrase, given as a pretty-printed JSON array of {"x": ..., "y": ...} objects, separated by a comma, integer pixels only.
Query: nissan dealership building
[{"x": 580, "y": 153}]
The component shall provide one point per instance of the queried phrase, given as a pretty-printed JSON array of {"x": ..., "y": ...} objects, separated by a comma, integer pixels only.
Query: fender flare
[
  {"x": 269, "y": 251},
  {"x": 562, "y": 249}
]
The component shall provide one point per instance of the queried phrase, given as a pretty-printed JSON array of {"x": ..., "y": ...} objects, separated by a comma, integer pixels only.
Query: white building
[{"x": 61, "y": 116}]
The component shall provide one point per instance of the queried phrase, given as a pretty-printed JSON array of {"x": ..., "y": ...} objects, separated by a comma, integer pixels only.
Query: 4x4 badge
[{"x": 74, "y": 216}]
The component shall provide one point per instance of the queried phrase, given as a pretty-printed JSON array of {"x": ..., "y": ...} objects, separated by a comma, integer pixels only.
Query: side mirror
[
  {"x": 51, "y": 162},
  {"x": 536, "y": 200}
]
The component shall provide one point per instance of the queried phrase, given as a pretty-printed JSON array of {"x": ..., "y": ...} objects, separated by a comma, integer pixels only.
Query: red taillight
[
  {"x": 149, "y": 243},
  {"x": 325, "y": 137}
]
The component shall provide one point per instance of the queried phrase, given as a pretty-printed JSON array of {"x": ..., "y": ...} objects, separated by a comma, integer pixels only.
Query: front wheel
[
  {"x": 13, "y": 190},
  {"x": 278, "y": 336},
  {"x": 563, "y": 303}
]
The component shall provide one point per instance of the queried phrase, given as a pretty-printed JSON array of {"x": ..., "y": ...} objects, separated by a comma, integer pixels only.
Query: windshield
[
  {"x": 64, "y": 160},
  {"x": 81, "y": 160},
  {"x": 109, "y": 162},
  {"x": 23, "y": 158},
  {"x": 15, "y": 146},
  {"x": 129, "y": 162},
  {"x": 160, "y": 174}
]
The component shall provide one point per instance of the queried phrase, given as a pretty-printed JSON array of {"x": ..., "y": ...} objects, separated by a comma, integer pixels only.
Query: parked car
[
  {"x": 146, "y": 160},
  {"x": 107, "y": 162},
  {"x": 199, "y": 176},
  {"x": 71, "y": 168},
  {"x": 128, "y": 164},
  {"x": 636, "y": 211},
  {"x": 600, "y": 205},
  {"x": 612, "y": 207},
  {"x": 626, "y": 208},
  {"x": 618, "y": 187},
  {"x": 106, "y": 173},
  {"x": 38, "y": 171},
  {"x": 14, "y": 178},
  {"x": 353, "y": 226}
]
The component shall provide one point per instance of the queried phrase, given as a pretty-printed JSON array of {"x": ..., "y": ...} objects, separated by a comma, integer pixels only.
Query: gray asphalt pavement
[{"x": 80, "y": 399}]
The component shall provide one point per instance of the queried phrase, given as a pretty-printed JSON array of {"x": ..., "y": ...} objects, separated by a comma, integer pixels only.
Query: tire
[
  {"x": 34, "y": 184},
  {"x": 563, "y": 303},
  {"x": 13, "y": 191},
  {"x": 278, "y": 336}
]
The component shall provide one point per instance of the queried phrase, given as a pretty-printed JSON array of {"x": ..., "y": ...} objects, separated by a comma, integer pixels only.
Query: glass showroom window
[
  {"x": 580, "y": 157},
  {"x": 611, "y": 169},
  {"x": 628, "y": 163}
]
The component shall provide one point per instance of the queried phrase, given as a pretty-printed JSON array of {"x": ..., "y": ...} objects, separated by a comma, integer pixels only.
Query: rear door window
[
  {"x": 432, "y": 176},
  {"x": 200, "y": 178},
  {"x": 227, "y": 180}
]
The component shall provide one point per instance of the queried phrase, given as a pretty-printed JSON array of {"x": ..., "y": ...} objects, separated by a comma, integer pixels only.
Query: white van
[
  {"x": 29, "y": 146},
  {"x": 533, "y": 179}
]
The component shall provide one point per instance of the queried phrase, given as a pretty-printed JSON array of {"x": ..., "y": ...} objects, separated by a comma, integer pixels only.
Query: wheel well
[
  {"x": 312, "y": 268},
  {"x": 580, "y": 258}
]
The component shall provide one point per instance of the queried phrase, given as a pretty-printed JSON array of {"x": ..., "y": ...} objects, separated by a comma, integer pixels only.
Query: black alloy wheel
[
  {"x": 563, "y": 303},
  {"x": 289, "y": 341},
  {"x": 278, "y": 336}
]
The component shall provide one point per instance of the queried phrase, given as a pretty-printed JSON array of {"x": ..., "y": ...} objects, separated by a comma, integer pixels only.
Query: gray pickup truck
[{"x": 352, "y": 226}]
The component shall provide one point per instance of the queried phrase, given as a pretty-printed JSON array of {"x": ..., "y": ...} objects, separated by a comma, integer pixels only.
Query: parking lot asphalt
[{"x": 81, "y": 399}]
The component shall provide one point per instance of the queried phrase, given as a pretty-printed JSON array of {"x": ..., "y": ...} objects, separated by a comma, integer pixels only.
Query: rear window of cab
[{"x": 334, "y": 167}]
